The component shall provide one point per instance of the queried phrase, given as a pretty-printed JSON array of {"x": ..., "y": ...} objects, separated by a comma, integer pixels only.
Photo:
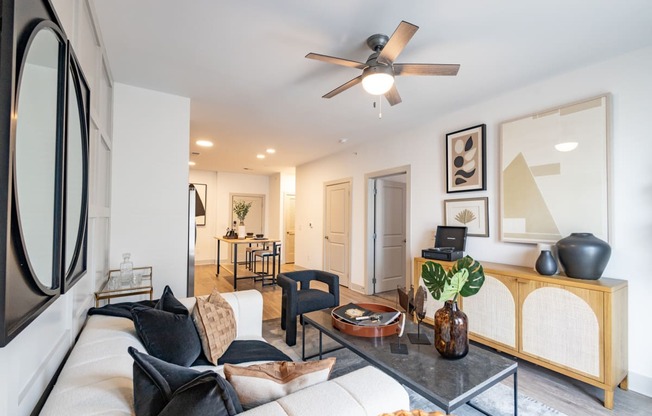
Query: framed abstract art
[
  {"x": 554, "y": 173},
  {"x": 466, "y": 160}
]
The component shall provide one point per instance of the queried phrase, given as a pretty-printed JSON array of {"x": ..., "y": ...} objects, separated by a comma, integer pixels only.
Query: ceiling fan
[{"x": 379, "y": 71}]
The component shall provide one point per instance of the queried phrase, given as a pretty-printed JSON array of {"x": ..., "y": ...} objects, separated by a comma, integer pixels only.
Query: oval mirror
[
  {"x": 74, "y": 173},
  {"x": 37, "y": 143}
]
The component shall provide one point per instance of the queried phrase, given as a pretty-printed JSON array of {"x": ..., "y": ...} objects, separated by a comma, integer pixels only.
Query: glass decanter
[{"x": 126, "y": 270}]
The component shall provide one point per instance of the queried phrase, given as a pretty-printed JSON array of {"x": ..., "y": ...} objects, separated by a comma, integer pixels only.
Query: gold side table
[{"x": 113, "y": 287}]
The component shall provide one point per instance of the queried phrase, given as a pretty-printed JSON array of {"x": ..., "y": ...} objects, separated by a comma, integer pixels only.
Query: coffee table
[{"x": 447, "y": 383}]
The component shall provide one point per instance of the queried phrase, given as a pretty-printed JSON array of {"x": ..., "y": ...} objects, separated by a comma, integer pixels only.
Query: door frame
[
  {"x": 349, "y": 225},
  {"x": 284, "y": 252},
  {"x": 369, "y": 223}
]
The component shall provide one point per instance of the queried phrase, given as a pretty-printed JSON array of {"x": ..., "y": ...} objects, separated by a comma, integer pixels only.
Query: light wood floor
[{"x": 567, "y": 395}]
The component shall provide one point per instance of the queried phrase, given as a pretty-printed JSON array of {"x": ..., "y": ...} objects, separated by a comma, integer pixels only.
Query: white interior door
[
  {"x": 254, "y": 221},
  {"x": 337, "y": 223},
  {"x": 288, "y": 245},
  {"x": 389, "y": 235}
]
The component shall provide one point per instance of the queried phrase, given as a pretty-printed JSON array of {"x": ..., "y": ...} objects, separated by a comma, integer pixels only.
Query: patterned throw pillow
[
  {"x": 215, "y": 322},
  {"x": 263, "y": 383}
]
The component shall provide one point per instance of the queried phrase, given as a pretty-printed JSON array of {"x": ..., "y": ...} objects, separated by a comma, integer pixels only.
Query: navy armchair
[{"x": 299, "y": 298}]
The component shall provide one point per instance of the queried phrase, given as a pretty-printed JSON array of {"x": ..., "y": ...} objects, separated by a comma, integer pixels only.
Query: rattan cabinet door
[{"x": 563, "y": 326}]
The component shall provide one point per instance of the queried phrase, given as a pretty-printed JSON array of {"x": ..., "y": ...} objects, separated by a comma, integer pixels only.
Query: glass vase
[{"x": 451, "y": 331}]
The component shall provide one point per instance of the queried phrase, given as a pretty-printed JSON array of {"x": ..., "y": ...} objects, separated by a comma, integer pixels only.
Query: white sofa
[{"x": 97, "y": 377}]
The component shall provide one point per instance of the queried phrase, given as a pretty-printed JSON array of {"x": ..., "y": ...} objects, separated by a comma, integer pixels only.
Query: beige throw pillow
[
  {"x": 215, "y": 324},
  {"x": 263, "y": 383}
]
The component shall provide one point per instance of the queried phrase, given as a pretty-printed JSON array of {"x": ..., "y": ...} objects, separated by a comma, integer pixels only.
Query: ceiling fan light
[
  {"x": 566, "y": 146},
  {"x": 377, "y": 80}
]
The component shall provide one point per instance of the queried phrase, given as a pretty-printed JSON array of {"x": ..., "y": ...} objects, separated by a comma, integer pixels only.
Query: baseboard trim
[
  {"x": 640, "y": 383},
  {"x": 357, "y": 288},
  {"x": 204, "y": 262}
]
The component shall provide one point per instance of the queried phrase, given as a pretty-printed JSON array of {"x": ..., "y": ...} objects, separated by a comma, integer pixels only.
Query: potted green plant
[
  {"x": 465, "y": 278},
  {"x": 241, "y": 209}
]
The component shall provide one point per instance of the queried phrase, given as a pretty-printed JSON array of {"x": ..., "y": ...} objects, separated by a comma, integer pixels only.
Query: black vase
[
  {"x": 451, "y": 331},
  {"x": 546, "y": 263},
  {"x": 583, "y": 255}
]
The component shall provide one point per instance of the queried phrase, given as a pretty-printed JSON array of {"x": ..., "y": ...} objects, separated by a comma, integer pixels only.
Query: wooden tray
[{"x": 368, "y": 331}]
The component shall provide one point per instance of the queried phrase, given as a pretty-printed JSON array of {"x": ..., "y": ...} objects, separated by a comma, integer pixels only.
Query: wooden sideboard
[{"x": 572, "y": 326}]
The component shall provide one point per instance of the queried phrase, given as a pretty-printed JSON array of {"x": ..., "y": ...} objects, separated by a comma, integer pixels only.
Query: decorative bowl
[
  {"x": 260, "y": 235},
  {"x": 368, "y": 331}
]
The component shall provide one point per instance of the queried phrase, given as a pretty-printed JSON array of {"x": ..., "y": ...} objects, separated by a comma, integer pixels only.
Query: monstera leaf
[
  {"x": 465, "y": 278},
  {"x": 475, "y": 278},
  {"x": 435, "y": 278}
]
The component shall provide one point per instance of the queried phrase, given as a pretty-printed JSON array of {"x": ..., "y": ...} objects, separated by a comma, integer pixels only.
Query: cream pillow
[
  {"x": 263, "y": 383},
  {"x": 215, "y": 322}
]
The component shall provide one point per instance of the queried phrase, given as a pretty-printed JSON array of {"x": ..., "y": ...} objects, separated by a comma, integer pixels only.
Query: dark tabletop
[{"x": 447, "y": 383}]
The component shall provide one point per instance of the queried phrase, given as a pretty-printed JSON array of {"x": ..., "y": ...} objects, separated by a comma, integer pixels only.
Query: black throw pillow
[
  {"x": 164, "y": 389},
  {"x": 169, "y": 303},
  {"x": 167, "y": 330}
]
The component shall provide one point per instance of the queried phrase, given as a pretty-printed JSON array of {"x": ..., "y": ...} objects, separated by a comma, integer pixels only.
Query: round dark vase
[
  {"x": 546, "y": 263},
  {"x": 583, "y": 255},
  {"x": 451, "y": 331}
]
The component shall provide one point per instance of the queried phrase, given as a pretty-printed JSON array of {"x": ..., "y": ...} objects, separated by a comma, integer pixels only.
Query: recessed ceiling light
[
  {"x": 260, "y": 156},
  {"x": 204, "y": 143},
  {"x": 191, "y": 163},
  {"x": 342, "y": 141},
  {"x": 271, "y": 151}
]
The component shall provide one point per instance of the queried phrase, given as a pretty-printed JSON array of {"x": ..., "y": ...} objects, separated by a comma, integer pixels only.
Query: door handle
[{"x": 326, "y": 238}]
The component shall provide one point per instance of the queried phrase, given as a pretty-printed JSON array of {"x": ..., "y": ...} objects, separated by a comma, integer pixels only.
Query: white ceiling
[{"x": 242, "y": 63}]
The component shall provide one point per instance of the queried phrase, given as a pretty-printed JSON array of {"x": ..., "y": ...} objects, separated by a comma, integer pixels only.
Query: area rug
[{"x": 497, "y": 401}]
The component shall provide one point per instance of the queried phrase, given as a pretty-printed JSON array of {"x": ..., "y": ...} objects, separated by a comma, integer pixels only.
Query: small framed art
[
  {"x": 466, "y": 160},
  {"x": 472, "y": 213}
]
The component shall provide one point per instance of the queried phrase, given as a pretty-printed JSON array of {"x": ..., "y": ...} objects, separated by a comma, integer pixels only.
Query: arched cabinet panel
[{"x": 43, "y": 164}]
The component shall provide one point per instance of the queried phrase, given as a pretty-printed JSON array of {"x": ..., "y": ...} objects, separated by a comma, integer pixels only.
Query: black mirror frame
[
  {"x": 21, "y": 298},
  {"x": 78, "y": 265}
]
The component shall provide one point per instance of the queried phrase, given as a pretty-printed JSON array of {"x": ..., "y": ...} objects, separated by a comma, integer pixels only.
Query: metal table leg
[{"x": 217, "y": 272}]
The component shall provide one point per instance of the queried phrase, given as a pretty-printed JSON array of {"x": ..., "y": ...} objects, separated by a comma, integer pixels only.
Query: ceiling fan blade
[
  {"x": 343, "y": 87},
  {"x": 426, "y": 69},
  {"x": 336, "y": 61},
  {"x": 397, "y": 42},
  {"x": 392, "y": 96}
]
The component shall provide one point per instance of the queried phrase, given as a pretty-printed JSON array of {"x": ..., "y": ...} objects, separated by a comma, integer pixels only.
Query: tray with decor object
[{"x": 370, "y": 320}]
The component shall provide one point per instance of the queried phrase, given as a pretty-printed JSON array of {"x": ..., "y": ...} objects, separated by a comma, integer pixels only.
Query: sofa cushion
[
  {"x": 162, "y": 388},
  {"x": 215, "y": 323},
  {"x": 167, "y": 331},
  {"x": 246, "y": 351},
  {"x": 262, "y": 383}
]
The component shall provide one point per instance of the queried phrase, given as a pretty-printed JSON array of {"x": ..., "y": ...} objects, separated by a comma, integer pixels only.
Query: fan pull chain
[{"x": 380, "y": 106}]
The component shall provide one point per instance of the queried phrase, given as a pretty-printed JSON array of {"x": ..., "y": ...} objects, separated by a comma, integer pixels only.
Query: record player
[{"x": 450, "y": 243}]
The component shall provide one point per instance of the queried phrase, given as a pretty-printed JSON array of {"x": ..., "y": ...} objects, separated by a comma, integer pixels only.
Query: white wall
[
  {"x": 626, "y": 78},
  {"x": 206, "y": 246},
  {"x": 30, "y": 360},
  {"x": 149, "y": 200}
]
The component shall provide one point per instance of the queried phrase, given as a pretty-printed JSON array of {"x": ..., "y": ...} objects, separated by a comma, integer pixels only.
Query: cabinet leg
[
  {"x": 609, "y": 399},
  {"x": 624, "y": 384}
]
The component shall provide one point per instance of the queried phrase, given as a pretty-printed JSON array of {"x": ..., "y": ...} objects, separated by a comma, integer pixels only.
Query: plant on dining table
[{"x": 241, "y": 209}]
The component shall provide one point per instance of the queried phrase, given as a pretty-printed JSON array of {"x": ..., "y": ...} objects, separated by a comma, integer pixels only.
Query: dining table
[{"x": 249, "y": 241}]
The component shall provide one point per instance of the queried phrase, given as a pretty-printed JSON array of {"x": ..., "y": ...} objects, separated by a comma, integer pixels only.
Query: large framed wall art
[
  {"x": 465, "y": 160},
  {"x": 554, "y": 173}
]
